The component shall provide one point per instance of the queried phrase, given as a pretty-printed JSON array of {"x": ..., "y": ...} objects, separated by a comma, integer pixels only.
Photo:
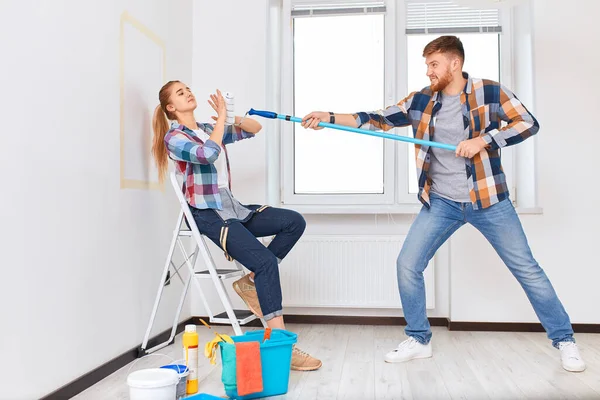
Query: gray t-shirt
[
  {"x": 232, "y": 208},
  {"x": 447, "y": 171}
]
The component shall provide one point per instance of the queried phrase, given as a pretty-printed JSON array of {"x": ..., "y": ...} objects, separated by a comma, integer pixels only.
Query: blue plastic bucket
[
  {"x": 275, "y": 360},
  {"x": 183, "y": 372},
  {"x": 203, "y": 396}
]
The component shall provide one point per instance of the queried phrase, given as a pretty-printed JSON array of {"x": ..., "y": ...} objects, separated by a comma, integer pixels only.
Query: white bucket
[{"x": 153, "y": 384}]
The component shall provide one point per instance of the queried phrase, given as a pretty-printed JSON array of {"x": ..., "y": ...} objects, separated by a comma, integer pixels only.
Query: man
[{"x": 468, "y": 186}]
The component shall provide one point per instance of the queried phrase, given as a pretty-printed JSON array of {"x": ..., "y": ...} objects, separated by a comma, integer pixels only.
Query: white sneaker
[
  {"x": 408, "y": 350},
  {"x": 570, "y": 357}
]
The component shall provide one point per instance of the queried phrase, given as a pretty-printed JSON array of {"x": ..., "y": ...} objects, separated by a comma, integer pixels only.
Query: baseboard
[
  {"x": 336, "y": 319},
  {"x": 433, "y": 321},
  {"x": 514, "y": 327},
  {"x": 91, "y": 378},
  {"x": 355, "y": 320}
]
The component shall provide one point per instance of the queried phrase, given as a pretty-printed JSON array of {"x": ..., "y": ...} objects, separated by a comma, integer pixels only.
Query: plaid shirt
[
  {"x": 485, "y": 104},
  {"x": 195, "y": 160}
]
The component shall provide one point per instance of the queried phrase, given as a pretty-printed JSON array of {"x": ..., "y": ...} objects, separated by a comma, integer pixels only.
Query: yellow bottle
[{"x": 190, "y": 353}]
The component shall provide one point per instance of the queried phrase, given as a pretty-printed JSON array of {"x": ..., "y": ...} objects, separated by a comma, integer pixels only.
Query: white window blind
[
  {"x": 439, "y": 17},
  {"x": 307, "y": 8}
]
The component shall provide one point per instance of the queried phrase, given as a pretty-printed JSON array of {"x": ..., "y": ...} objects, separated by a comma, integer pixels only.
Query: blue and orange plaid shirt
[
  {"x": 194, "y": 159},
  {"x": 485, "y": 104}
]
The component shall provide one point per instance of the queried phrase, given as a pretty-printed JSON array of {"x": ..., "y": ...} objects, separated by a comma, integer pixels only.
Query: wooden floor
[{"x": 465, "y": 365}]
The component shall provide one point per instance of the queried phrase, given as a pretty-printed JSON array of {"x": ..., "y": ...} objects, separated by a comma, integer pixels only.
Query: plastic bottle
[
  {"x": 190, "y": 353},
  {"x": 229, "y": 103}
]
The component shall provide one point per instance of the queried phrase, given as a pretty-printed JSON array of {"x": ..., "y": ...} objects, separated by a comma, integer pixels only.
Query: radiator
[{"x": 346, "y": 271}]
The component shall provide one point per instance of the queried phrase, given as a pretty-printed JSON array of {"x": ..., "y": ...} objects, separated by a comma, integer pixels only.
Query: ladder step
[
  {"x": 243, "y": 317},
  {"x": 185, "y": 233},
  {"x": 223, "y": 273}
]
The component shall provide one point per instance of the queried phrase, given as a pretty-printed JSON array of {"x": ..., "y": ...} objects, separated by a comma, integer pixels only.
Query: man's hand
[
  {"x": 310, "y": 121},
  {"x": 468, "y": 148}
]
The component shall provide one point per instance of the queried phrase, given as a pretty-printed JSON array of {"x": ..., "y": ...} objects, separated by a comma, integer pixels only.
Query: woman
[{"x": 199, "y": 152}]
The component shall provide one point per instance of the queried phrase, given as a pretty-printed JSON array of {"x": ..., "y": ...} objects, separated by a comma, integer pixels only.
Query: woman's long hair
[{"x": 160, "y": 125}]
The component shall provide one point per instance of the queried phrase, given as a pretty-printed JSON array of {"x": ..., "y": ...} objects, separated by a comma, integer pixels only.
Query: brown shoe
[
  {"x": 302, "y": 361},
  {"x": 246, "y": 289}
]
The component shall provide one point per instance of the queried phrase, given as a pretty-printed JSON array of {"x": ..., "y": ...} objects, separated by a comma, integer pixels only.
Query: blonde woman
[{"x": 200, "y": 155}]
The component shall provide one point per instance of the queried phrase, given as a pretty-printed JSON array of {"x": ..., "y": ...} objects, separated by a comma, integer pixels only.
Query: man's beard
[{"x": 442, "y": 82}]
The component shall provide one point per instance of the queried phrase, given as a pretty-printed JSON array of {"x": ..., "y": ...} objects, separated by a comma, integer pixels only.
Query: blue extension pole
[{"x": 272, "y": 115}]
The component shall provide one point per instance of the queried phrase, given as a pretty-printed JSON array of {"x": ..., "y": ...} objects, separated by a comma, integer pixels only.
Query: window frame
[{"x": 289, "y": 197}]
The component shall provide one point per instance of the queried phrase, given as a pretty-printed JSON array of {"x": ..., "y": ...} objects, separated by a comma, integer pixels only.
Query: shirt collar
[
  {"x": 468, "y": 87},
  {"x": 177, "y": 125}
]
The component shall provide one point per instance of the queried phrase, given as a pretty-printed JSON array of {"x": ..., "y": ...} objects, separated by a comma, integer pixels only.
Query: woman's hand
[{"x": 217, "y": 102}]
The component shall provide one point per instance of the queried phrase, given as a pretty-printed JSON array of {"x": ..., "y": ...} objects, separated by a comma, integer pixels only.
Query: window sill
[
  {"x": 356, "y": 209},
  {"x": 529, "y": 210}
]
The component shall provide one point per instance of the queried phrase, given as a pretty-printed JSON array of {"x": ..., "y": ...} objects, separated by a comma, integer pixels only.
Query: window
[
  {"x": 326, "y": 77},
  {"x": 347, "y": 56},
  {"x": 340, "y": 60}
]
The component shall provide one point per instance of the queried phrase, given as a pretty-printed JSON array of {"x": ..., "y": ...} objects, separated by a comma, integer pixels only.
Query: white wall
[
  {"x": 81, "y": 257},
  {"x": 523, "y": 82},
  {"x": 230, "y": 55}
]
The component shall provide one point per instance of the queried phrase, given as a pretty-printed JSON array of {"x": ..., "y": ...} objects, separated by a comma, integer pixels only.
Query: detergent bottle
[{"x": 190, "y": 353}]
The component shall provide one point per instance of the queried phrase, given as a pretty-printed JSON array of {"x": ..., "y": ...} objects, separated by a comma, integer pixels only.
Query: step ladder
[{"x": 186, "y": 228}]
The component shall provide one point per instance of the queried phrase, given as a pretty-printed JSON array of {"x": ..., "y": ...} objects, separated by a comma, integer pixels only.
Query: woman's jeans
[{"x": 243, "y": 245}]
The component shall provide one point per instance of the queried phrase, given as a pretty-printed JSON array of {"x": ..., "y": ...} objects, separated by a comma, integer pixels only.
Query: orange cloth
[
  {"x": 267, "y": 335},
  {"x": 248, "y": 368}
]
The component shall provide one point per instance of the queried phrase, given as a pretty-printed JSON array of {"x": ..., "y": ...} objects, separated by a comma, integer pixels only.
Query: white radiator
[{"x": 346, "y": 271}]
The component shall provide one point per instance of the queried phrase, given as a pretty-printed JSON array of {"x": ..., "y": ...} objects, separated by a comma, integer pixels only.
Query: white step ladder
[{"x": 229, "y": 316}]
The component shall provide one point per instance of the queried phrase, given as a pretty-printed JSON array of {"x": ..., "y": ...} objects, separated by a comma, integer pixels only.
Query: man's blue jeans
[{"x": 502, "y": 228}]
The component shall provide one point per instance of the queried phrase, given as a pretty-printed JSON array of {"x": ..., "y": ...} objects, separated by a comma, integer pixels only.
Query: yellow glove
[{"x": 210, "y": 350}]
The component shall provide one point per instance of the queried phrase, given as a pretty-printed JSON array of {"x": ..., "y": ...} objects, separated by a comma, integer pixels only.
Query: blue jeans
[
  {"x": 243, "y": 245},
  {"x": 501, "y": 227}
]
